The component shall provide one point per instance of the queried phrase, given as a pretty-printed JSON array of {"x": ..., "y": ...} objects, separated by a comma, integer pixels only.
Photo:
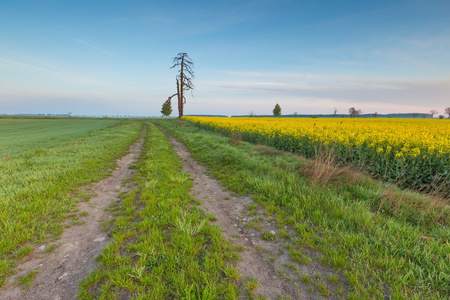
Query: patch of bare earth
[
  {"x": 61, "y": 270},
  {"x": 266, "y": 260}
]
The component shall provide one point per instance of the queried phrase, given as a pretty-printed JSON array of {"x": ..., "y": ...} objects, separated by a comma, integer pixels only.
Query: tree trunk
[
  {"x": 179, "y": 99},
  {"x": 181, "y": 88}
]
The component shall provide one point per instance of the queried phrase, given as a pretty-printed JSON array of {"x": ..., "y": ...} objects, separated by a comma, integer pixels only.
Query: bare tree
[
  {"x": 433, "y": 112},
  {"x": 447, "y": 111},
  {"x": 334, "y": 112},
  {"x": 375, "y": 114},
  {"x": 184, "y": 79},
  {"x": 354, "y": 113}
]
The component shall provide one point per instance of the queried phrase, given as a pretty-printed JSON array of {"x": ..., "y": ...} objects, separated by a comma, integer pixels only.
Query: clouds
[
  {"x": 90, "y": 45},
  {"x": 316, "y": 92},
  {"x": 309, "y": 56}
]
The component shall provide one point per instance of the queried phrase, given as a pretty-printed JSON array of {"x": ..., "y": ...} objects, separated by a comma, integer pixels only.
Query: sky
[{"x": 107, "y": 57}]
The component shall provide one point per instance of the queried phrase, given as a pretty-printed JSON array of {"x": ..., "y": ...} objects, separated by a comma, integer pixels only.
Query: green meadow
[
  {"x": 42, "y": 162},
  {"x": 379, "y": 241}
]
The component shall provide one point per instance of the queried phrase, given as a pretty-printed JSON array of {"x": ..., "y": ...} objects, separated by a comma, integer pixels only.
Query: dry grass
[
  {"x": 235, "y": 138},
  {"x": 437, "y": 187},
  {"x": 407, "y": 204},
  {"x": 267, "y": 151},
  {"x": 322, "y": 168}
]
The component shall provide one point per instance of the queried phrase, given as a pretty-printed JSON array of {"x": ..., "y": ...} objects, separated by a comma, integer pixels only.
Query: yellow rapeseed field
[{"x": 393, "y": 149}]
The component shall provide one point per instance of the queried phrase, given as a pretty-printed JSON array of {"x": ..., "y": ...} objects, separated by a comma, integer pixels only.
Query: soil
[
  {"x": 61, "y": 270},
  {"x": 267, "y": 261}
]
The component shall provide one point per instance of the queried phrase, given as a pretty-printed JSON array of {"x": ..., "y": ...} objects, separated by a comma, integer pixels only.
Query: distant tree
[
  {"x": 184, "y": 79},
  {"x": 433, "y": 112},
  {"x": 334, "y": 112},
  {"x": 425, "y": 116},
  {"x": 295, "y": 113},
  {"x": 447, "y": 112},
  {"x": 250, "y": 114},
  {"x": 415, "y": 115},
  {"x": 277, "y": 110},
  {"x": 375, "y": 114},
  {"x": 441, "y": 116},
  {"x": 166, "y": 109},
  {"x": 69, "y": 114},
  {"x": 353, "y": 112}
]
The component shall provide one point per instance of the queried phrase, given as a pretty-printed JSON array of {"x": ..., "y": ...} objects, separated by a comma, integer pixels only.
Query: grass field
[
  {"x": 381, "y": 240},
  {"x": 42, "y": 163},
  {"x": 164, "y": 247},
  {"x": 18, "y": 135}
]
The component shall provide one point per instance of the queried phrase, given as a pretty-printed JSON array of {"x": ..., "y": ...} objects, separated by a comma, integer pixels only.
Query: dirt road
[{"x": 61, "y": 270}]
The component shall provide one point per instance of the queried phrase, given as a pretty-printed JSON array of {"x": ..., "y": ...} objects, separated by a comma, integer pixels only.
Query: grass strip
[
  {"x": 37, "y": 186},
  {"x": 163, "y": 246},
  {"x": 396, "y": 253}
]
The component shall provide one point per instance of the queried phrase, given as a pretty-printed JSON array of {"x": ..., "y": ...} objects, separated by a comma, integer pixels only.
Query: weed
[
  {"x": 282, "y": 274},
  {"x": 268, "y": 236},
  {"x": 232, "y": 273},
  {"x": 211, "y": 217},
  {"x": 332, "y": 278},
  {"x": 235, "y": 138},
  {"x": 250, "y": 284},
  {"x": 322, "y": 168},
  {"x": 297, "y": 256},
  {"x": 26, "y": 280},
  {"x": 284, "y": 234},
  {"x": 252, "y": 207},
  {"x": 22, "y": 252},
  {"x": 305, "y": 278},
  {"x": 50, "y": 248},
  {"x": 323, "y": 289}
]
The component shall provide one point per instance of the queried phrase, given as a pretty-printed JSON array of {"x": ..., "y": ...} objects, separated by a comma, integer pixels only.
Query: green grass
[
  {"x": 26, "y": 280},
  {"x": 380, "y": 239},
  {"x": 163, "y": 245},
  {"x": 19, "y": 135},
  {"x": 38, "y": 179}
]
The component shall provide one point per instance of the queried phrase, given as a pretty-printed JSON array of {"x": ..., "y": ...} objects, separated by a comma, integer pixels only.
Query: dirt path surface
[
  {"x": 265, "y": 260},
  {"x": 60, "y": 271}
]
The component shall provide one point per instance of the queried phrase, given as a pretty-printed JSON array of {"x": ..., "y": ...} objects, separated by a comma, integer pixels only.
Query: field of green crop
[
  {"x": 18, "y": 135},
  {"x": 42, "y": 162}
]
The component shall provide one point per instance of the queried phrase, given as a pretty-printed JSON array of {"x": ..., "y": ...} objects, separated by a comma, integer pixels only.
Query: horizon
[{"x": 114, "y": 58}]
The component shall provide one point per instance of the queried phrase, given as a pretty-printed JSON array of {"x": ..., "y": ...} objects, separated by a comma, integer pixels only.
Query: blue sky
[{"x": 114, "y": 57}]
